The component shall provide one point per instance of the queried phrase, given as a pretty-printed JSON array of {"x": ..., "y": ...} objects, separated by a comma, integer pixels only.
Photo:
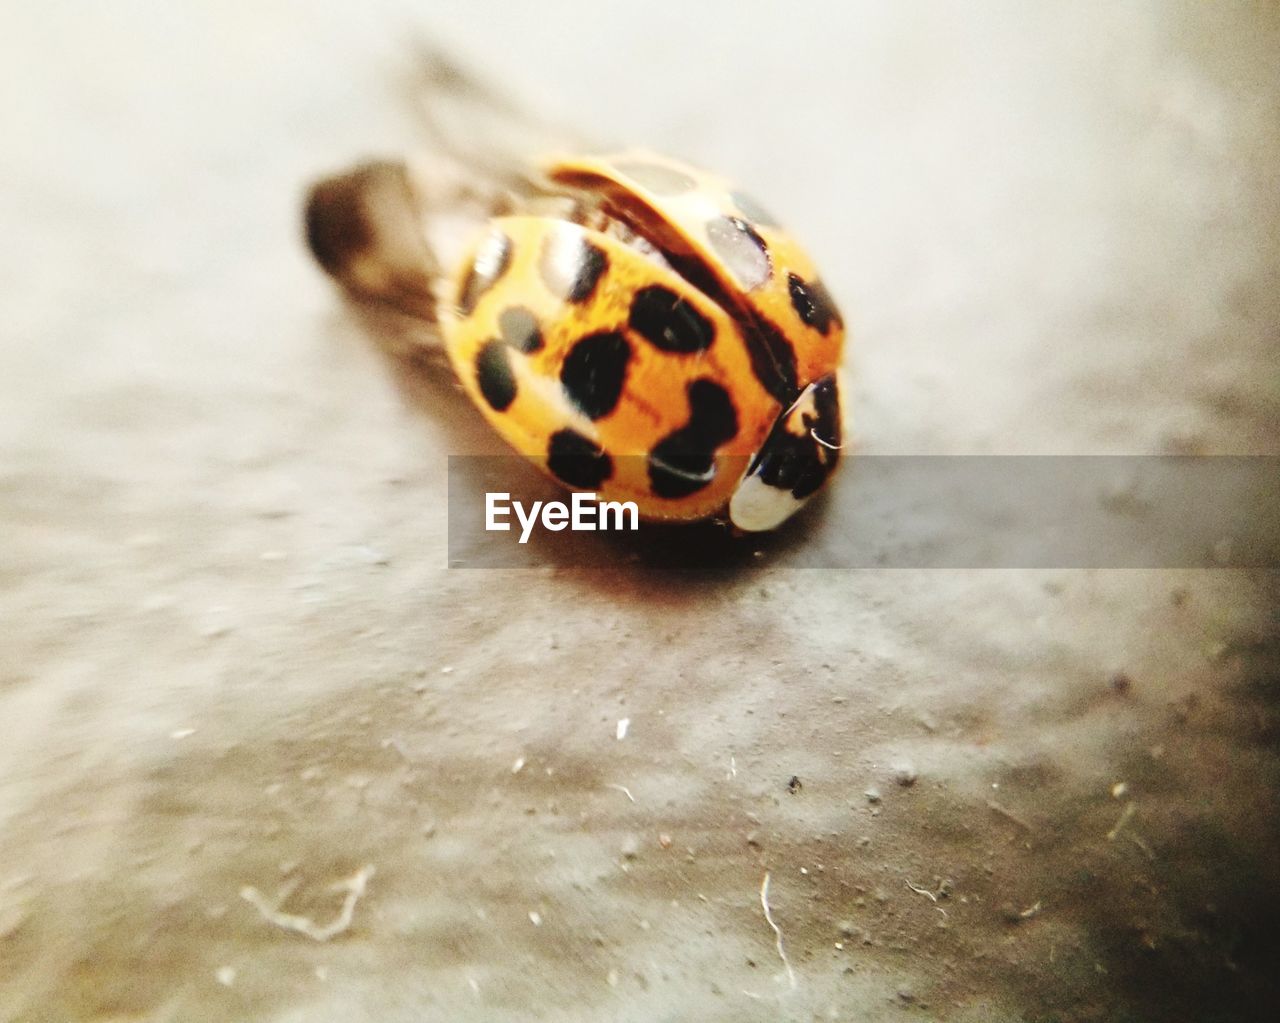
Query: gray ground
[{"x": 233, "y": 656}]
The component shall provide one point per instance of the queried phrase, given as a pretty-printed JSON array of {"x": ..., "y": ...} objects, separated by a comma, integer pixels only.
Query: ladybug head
[{"x": 795, "y": 460}]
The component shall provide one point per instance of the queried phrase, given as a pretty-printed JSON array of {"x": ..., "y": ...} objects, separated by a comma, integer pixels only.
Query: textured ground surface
[{"x": 232, "y": 655}]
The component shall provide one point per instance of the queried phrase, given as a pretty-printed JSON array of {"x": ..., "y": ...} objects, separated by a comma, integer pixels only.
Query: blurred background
[{"x": 233, "y": 657}]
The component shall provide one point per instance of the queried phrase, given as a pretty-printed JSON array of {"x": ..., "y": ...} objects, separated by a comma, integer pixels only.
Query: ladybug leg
[{"x": 795, "y": 461}]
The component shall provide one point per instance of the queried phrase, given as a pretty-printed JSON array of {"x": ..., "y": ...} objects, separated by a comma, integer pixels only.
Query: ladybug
[{"x": 635, "y": 326}]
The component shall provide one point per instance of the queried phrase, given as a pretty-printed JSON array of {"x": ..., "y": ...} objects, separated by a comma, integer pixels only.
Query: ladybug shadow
[{"x": 704, "y": 555}]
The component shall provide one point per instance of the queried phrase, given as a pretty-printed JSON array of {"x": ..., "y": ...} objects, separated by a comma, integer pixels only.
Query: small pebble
[
  {"x": 630, "y": 847},
  {"x": 872, "y": 794},
  {"x": 904, "y": 773}
]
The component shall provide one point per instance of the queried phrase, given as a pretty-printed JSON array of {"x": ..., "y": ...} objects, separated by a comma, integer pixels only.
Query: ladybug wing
[
  {"x": 597, "y": 361},
  {"x": 729, "y": 246}
]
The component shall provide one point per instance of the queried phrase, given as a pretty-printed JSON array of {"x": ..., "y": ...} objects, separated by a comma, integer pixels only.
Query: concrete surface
[{"x": 233, "y": 656}]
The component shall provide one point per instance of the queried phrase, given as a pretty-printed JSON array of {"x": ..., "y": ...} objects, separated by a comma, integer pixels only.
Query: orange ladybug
[{"x": 639, "y": 329}]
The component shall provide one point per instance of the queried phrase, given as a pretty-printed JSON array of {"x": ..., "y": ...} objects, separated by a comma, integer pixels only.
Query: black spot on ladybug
[
  {"x": 491, "y": 261},
  {"x": 742, "y": 250},
  {"x": 519, "y": 328},
  {"x": 571, "y": 266},
  {"x": 594, "y": 371},
  {"x": 493, "y": 375},
  {"x": 668, "y": 322},
  {"x": 752, "y": 210},
  {"x": 656, "y": 177},
  {"x": 773, "y": 360},
  {"x": 799, "y": 456},
  {"x": 683, "y": 462},
  {"x": 577, "y": 460},
  {"x": 812, "y": 303}
]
